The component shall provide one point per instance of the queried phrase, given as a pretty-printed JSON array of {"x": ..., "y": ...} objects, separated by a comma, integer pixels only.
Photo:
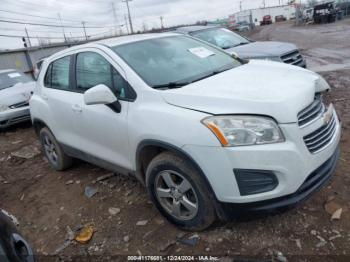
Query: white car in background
[
  {"x": 15, "y": 92},
  {"x": 207, "y": 134}
]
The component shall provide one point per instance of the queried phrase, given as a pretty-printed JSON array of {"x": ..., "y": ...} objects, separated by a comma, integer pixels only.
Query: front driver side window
[{"x": 93, "y": 69}]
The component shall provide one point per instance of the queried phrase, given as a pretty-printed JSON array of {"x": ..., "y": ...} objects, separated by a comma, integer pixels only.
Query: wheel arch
[
  {"x": 150, "y": 148},
  {"x": 38, "y": 124}
]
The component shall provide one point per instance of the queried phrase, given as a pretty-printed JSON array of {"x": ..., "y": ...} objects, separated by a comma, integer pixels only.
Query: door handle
[
  {"x": 45, "y": 97},
  {"x": 77, "y": 108}
]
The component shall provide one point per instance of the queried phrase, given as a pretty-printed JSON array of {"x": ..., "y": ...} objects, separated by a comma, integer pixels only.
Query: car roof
[
  {"x": 189, "y": 29},
  {"x": 8, "y": 71},
  {"x": 131, "y": 38},
  {"x": 115, "y": 41}
]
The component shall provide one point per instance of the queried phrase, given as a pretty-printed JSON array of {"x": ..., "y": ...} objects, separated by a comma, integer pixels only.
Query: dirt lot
[{"x": 47, "y": 202}]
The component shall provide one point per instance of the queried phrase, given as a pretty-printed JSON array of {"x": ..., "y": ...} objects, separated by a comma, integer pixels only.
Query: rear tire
[
  {"x": 58, "y": 160},
  {"x": 179, "y": 192}
]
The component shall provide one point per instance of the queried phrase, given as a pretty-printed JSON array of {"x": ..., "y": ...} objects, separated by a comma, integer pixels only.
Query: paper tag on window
[
  {"x": 13, "y": 75},
  {"x": 201, "y": 52}
]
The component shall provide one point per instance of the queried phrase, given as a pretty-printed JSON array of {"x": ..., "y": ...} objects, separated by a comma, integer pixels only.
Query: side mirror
[
  {"x": 235, "y": 55},
  {"x": 241, "y": 60},
  {"x": 99, "y": 95}
]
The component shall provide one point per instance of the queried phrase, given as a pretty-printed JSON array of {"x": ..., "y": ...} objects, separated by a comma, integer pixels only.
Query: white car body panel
[
  {"x": 264, "y": 84},
  {"x": 174, "y": 117},
  {"x": 15, "y": 95}
]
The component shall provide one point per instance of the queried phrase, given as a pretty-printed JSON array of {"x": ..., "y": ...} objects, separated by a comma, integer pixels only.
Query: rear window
[{"x": 12, "y": 78}]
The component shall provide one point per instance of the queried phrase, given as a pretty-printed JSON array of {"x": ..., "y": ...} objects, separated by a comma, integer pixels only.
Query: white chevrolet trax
[{"x": 210, "y": 136}]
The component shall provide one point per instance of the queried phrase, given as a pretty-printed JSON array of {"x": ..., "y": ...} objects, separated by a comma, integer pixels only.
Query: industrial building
[{"x": 255, "y": 16}]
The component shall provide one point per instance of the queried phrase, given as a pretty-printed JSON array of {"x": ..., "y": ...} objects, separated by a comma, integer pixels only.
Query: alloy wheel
[
  {"x": 176, "y": 195},
  {"x": 50, "y": 149}
]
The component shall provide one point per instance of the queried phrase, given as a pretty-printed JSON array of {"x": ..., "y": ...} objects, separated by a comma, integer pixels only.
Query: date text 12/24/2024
[{"x": 173, "y": 258}]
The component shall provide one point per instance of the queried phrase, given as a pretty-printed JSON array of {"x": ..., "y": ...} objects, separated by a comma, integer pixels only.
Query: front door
[{"x": 103, "y": 132}]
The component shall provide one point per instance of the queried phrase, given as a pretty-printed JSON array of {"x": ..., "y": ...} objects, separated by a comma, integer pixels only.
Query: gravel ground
[{"x": 49, "y": 205}]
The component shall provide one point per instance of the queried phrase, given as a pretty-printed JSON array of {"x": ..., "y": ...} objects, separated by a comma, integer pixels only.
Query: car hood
[
  {"x": 260, "y": 87},
  {"x": 18, "y": 93},
  {"x": 262, "y": 49}
]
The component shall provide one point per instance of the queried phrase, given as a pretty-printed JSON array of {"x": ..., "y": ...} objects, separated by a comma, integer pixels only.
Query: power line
[
  {"x": 43, "y": 8},
  {"x": 38, "y": 16},
  {"x": 66, "y": 24},
  {"x": 46, "y": 31},
  {"x": 52, "y": 37},
  {"x": 21, "y": 30},
  {"x": 34, "y": 37},
  {"x": 50, "y": 25}
]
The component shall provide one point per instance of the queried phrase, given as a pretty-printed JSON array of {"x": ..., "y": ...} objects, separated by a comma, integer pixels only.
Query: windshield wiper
[
  {"x": 231, "y": 46},
  {"x": 171, "y": 85},
  {"x": 242, "y": 43},
  {"x": 211, "y": 74}
]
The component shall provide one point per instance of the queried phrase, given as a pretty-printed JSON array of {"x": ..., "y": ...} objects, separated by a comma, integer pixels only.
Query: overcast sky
[{"x": 99, "y": 13}]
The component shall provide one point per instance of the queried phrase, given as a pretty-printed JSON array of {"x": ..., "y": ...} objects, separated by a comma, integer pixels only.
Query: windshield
[
  {"x": 221, "y": 37},
  {"x": 174, "y": 61},
  {"x": 11, "y": 78}
]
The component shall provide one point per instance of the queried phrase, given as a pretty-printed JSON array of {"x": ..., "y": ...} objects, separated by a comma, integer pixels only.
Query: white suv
[{"x": 210, "y": 136}]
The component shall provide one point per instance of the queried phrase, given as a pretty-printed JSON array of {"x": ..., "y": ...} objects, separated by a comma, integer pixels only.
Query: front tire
[
  {"x": 179, "y": 192},
  {"x": 58, "y": 160}
]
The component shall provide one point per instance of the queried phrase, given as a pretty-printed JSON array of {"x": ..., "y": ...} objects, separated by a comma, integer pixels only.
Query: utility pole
[
  {"x": 130, "y": 22},
  {"x": 115, "y": 18},
  {"x": 83, "y": 23},
  {"x": 144, "y": 27},
  {"x": 64, "y": 34},
  {"x": 30, "y": 44},
  {"x": 240, "y": 6},
  {"x": 161, "y": 22},
  {"x": 126, "y": 23}
]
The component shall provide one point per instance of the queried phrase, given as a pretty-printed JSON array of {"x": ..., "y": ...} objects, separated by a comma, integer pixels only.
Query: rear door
[{"x": 59, "y": 94}]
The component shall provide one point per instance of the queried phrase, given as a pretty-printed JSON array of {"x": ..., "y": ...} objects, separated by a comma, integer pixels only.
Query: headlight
[
  {"x": 244, "y": 130},
  {"x": 3, "y": 108}
]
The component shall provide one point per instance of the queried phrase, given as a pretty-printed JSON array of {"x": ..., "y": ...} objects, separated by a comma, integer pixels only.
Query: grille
[
  {"x": 293, "y": 58},
  {"x": 312, "y": 112},
  {"x": 320, "y": 138},
  {"x": 18, "y": 105}
]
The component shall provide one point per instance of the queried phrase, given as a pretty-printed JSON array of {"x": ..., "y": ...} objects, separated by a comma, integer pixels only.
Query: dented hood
[
  {"x": 20, "y": 92},
  {"x": 259, "y": 88}
]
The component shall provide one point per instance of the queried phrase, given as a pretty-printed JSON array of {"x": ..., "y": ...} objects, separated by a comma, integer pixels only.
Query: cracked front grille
[
  {"x": 321, "y": 137},
  {"x": 312, "y": 112}
]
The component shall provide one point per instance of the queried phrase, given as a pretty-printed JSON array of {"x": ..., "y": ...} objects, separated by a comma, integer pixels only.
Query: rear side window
[
  {"x": 57, "y": 75},
  {"x": 47, "y": 79}
]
